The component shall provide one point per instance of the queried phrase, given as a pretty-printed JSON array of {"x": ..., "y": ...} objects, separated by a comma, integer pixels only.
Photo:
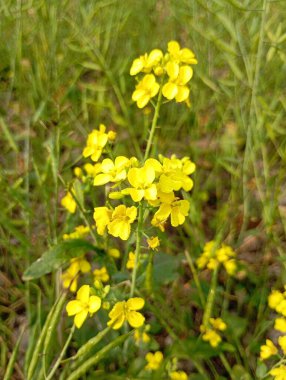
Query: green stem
[
  {"x": 211, "y": 298},
  {"x": 149, "y": 274},
  {"x": 196, "y": 278},
  {"x": 58, "y": 362},
  {"x": 153, "y": 126},
  {"x": 137, "y": 250},
  {"x": 226, "y": 365}
]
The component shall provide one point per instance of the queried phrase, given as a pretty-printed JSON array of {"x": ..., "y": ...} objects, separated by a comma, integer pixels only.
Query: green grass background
[{"x": 64, "y": 68}]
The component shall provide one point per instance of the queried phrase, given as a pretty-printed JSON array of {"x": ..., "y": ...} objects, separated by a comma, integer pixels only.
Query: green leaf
[
  {"x": 194, "y": 348},
  {"x": 164, "y": 269},
  {"x": 240, "y": 373},
  {"x": 57, "y": 256}
]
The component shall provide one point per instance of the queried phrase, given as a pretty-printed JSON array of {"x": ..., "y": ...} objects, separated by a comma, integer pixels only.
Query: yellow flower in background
[
  {"x": 141, "y": 336},
  {"x": 178, "y": 375},
  {"x": 112, "y": 171},
  {"x": 176, "y": 87},
  {"x": 211, "y": 336},
  {"x": 131, "y": 260},
  {"x": 142, "y": 181},
  {"x": 101, "y": 274},
  {"x": 275, "y": 298},
  {"x": 83, "y": 305},
  {"x": 96, "y": 141},
  {"x": 153, "y": 243},
  {"x": 280, "y": 324},
  {"x": 282, "y": 343},
  {"x": 268, "y": 350},
  {"x": 102, "y": 217},
  {"x": 218, "y": 324},
  {"x": 70, "y": 276},
  {"x": 146, "y": 89},
  {"x": 69, "y": 203},
  {"x": 113, "y": 252},
  {"x": 145, "y": 63},
  {"x": 154, "y": 361},
  {"x": 127, "y": 311},
  {"x": 79, "y": 232},
  {"x": 279, "y": 373},
  {"x": 121, "y": 219}
]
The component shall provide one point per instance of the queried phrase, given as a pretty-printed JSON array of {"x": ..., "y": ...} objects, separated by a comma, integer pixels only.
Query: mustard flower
[
  {"x": 122, "y": 218},
  {"x": 280, "y": 324},
  {"x": 267, "y": 350},
  {"x": 102, "y": 217},
  {"x": 96, "y": 141},
  {"x": 218, "y": 324},
  {"x": 69, "y": 203},
  {"x": 142, "y": 181},
  {"x": 154, "y": 361},
  {"x": 176, "y": 87},
  {"x": 178, "y": 375},
  {"x": 279, "y": 373},
  {"x": 146, "y": 89},
  {"x": 131, "y": 260},
  {"x": 145, "y": 63},
  {"x": 281, "y": 308},
  {"x": 211, "y": 336},
  {"x": 179, "y": 55},
  {"x": 127, "y": 311},
  {"x": 282, "y": 343},
  {"x": 112, "y": 171},
  {"x": 153, "y": 243},
  {"x": 113, "y": 252},
  {"x": 140, "y": 335},
  {"x": 101, "y": 274},
  {"x": 275, "y": 298},
  {"x": 177, "y": 208},
  {"x": 70, "y": 276},
  {"x": 83, "y": 305},
  {"x": 78, "y": 233}
]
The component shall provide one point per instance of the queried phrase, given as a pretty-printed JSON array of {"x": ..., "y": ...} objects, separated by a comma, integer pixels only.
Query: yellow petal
[
  {"x": 94, "y": 304},
  {"x": 183, "y": 94},
  {"x": 185, "y": 75},
  {"x": 173, "y": 47},
  {"x": 117, "y": 310},
  {"x": 170, "y": 90},
  {"x": 101, "y": 179},
  {"x": 116, "y": 323},
  {"x": 136, "y": 194},
  {"x": 83, "y": 294},
  {"x": 143, "y": 101},
  {"x": 136, "y": 67},
  {"x": 138, "y": 94},
  {"x": 135, "y": 303},
  {"x": 135, "y": 319},
  {"x": 151, "y": 193},
  {"x": 154, "y": 57},
  {"x": 80, "y": 318},
  {"x": 74, "y": 307},
  {"x": 172, "y": 69}
]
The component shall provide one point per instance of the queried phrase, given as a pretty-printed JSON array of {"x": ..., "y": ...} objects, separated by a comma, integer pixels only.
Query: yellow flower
[
  {"x": 153, "y": 243},
  {"x": 70, "y": 276},
  {"x": 112, "y": 171},
  {"x": 145, "y": 63},
  {"x": 267, "y": 350},
  {"x": 179, "y": 55},
  {"x": 211, "y": 336},
  {"x": 275, "y": 298},
  {"x": 154, "y": 360},
  {"x": 279, "y": 373},
  {"x": 146, "y": 89},
  {"x": 280, "y": 324},
  {"x": 177, "y": 208},
  {"x": 142, "y": 181},
  {"x": 121, "y": 219},
  {"x": 79, "y": 232},
  {"x": 140, "y": 335},
  {"x": 96, "y": 141},
  {"x": 176, "y": 87},
  {"x": 102, "y": 217},
  {"x": 282, "y": 343},
  {"x": 230, "y": 267},
  {"x": 127, "y": 311},
  {"x": 69, "y": 203},
  {"x": 83, "y": 305},
  {"x": 113, "y": 252},
  {"x": 218, "y": 324},
  {"x": 178, "y": 375},
  {"x": 101, "y": 274},
  {"x": 281, "y": 308},
  {"x": 131, "y": 260}
]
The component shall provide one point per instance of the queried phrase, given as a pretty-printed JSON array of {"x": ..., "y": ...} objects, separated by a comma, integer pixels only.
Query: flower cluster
[
  {"x": 70, "y": 276},
  {"x": 213, "y": 256},
  {"x": 169, "y": 72},
  {"x": 211, "y": 332}
]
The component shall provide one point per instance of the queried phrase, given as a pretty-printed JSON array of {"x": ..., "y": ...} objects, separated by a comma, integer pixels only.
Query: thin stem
[
  {"x": 153, "y": 126},
  {"x": 138, "y": 247},
  {"x": 226, "y": 365},
  {"x": 58, "y": 362},
  {"x": 211, "y": 298},
  {"x": 196, "y": 278}
]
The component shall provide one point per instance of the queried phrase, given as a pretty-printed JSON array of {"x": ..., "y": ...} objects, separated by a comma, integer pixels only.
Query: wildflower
[
  {"x": 142, "y": 181},
  {"x": 83, "y": 305},
  {"x": 282, "y": 343},
  {"x": 79, "y": 232},
  {"x": 70, "y": 276},
  {"x": 146, "y": 89},
  {"x": 178, "y": 375},
  {"x": 154, "y": 360},
  {"x": 69, "y": 203},
  {"x": 153, "y": 243},
  {"x": 218, "y": 324},
  {"x": 275, "y": 298},
  {"x": 279, "y": 373},
  {"x": 179, "y": 55},
  {"x": 121, "y": 219},
  {"x": 102, "y": 217},
  {"x": 280, "y": 324},
  {"x": 267, "y": 350},
  {"x": 177, "y": 208},
  {"x": 112, "y": 171},
  {"x": 140, "y": 335},
  {"x": 96, "y": 141},
  {"x": 131, "y": 260},
  {"x": 281, "y": 308},
  {"x": 101, "y": 274},
  {"x": 78, "y": 172},
  {"x": 145, "y": 63},
  {"x": 127, "y": 310},
  {"x": 211, "y": 336},
  {"x": 113, "y": 252},
  {"x": 176, "y": 87}
]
